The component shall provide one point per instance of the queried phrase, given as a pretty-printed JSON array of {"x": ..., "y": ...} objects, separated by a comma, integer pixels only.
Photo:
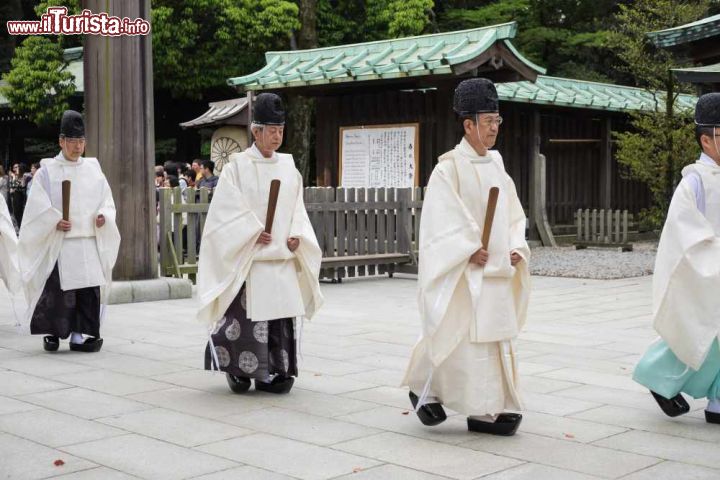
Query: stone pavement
[{"x": 144, "y": 408}]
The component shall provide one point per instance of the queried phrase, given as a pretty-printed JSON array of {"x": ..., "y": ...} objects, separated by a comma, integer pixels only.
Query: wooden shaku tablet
[{"x": 272, "y": 204}]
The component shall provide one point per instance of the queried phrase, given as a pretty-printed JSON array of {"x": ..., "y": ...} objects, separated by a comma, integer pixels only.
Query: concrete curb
[{"x": 163, "y": 288}]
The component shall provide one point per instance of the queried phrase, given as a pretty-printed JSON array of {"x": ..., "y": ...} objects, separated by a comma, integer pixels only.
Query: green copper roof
[
  {"x": 437, "y": 54},
  {"x": 704, "y": 28},
  {"x": 565, "y": 92},
  {"x": 705, "y": 74}
]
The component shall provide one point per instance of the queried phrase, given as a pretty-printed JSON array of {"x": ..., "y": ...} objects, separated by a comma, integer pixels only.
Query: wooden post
[
  {"x": 539, "y": 226},
  {"x": 165, "y": 227},
  {"x": 534, "y": 150},
  {"x": 120, "y": 132},
  {"x": 578, "y": 221},
  {"x": 606, "y": 164}
]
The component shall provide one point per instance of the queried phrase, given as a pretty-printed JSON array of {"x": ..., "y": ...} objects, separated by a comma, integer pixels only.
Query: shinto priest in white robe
[
  {"x": 66, "y": 274},
  {"x": 249, "y": 293},
  {"x": 686, "y": 303},
  {"x": 471, "y": 315},
  {"x": 9, "y": 270}
]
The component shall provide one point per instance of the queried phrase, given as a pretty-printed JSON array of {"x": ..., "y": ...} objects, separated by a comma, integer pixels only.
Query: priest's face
[
  {"x": 268, "y": 138},
  {"x": 711, "y": 144},
  {"x": 72, "y": 148},
  {"x": 482, "y": 132}
]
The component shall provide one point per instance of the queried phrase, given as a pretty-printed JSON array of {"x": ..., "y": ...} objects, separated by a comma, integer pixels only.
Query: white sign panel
[{"x": 379, "y": 156}]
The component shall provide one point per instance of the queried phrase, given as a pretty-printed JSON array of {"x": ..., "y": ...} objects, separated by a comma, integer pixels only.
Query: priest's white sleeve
[
  {"x": 227, "y": 247},
  {"x": 308, "y": 254},
  {"x": 40, "y": 241},
  {"x": 687, "y": 271}
]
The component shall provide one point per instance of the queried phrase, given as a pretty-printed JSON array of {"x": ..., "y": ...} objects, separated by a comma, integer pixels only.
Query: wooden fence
[
  {"x": 180, "y": 225},
  {"x": 360, "y": 231},
  {"x": 602, "y": 228}
]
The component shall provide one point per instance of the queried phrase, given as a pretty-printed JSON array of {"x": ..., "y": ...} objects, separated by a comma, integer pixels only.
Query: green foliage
[
  {"x": 648, "y": 65},
  {"x": 74, "y": 7},
  {"x": 349, "y": 21},
  {"x": 338, "y": 22},
  {"x": 661, "y": 143},
  {"x": 38, "y": 84},
  {"x": 400, "y": 18},
  {"x": 643, "y": 151},
  {"x": 165, "y": 150},
  {"x": 198, "y": 44},
  {"x": 568, "y": 37}
]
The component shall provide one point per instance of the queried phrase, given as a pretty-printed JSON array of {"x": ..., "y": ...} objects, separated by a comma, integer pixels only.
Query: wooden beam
[{"x": 606, "y": 171}]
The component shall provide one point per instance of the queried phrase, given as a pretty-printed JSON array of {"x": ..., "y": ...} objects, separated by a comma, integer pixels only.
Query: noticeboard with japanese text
[{"x": 380, "y": 156}]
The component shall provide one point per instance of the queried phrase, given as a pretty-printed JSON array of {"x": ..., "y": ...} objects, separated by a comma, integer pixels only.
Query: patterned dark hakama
[
  {"x": 253, "y": 349},
  {"x": 59, "y": 312}
]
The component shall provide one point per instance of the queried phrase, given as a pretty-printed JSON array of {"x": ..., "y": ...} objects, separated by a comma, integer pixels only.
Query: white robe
[
  {"x": 9, "y": 270},
  {"x": 86, "y": 254},
  {"x": 280, "y": 283},
  {"x": 471, "y": 315},
  {"x": 686, "y": 304}
]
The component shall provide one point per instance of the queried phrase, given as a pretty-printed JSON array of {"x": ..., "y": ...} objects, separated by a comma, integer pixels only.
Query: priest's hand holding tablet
[
  {"x": 515, "y": 258},
  {"x": 100, "y": 221},
  {"x": 480, "y": 257},
  {"x": 64, "y": 225},
  {"x": 264, "y": 239}
]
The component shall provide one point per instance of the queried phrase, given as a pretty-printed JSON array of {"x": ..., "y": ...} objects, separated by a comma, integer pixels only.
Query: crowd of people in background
[
  {"x": 15, "y": 187},
  {"x": 199, "y": 174}
]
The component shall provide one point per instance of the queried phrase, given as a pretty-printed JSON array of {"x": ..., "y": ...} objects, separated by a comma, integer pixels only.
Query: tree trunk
[
  {"x": 301, "y": 110},
  {"x": 119, "y": 117}
]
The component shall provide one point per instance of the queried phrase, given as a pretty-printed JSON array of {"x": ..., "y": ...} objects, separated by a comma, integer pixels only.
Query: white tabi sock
[
  {"x": 485, "y": 418},
  {"x": 76, "y": 337},
  {"x": 713, "y": 405}
]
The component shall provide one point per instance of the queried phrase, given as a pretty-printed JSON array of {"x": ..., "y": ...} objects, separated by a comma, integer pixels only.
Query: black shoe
[
  {"x": 505, "y": 424},
  {"x": 51, "y": 343},
  {"x": 430, "y": 414},
  {"x": 673, "y": 407},
  {"x": 237, "y": 384},
  {"x": 279, "y": 384},
  {"x": 90, "y": 345},
  {"x": 712, "y": 417}
]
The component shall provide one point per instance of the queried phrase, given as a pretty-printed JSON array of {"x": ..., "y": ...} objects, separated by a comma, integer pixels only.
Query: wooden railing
[
  {"x": 361, "y": 231},
  {"x": 602, "y": 228}
]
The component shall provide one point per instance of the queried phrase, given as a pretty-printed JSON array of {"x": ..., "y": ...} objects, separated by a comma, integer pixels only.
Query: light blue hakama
[{"x": 662, "y": 372}]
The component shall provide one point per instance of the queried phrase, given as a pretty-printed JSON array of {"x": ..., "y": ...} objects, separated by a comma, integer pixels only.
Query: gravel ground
[{"x": 598, "y": 263}]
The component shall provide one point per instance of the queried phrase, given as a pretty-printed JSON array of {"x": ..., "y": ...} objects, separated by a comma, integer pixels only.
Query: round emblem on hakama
[
  {"x": 232, "y": 332},
  {"x": 223, "y": 356},
  {"x": 248, "y": 362},
  {"x": 243, "y": 300},
  {"x": 219, "y": 325},
  {"x": 260, "y": 332}
]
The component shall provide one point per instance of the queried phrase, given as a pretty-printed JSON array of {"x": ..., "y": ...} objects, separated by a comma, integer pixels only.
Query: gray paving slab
[
  {"x": 149, "y": 458},
  {"x": 289, "y": 457},
  {"x": 146, "y": 396},
  {"x": 23, "y": 459},
  {"x": 428, "y": 456}
]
